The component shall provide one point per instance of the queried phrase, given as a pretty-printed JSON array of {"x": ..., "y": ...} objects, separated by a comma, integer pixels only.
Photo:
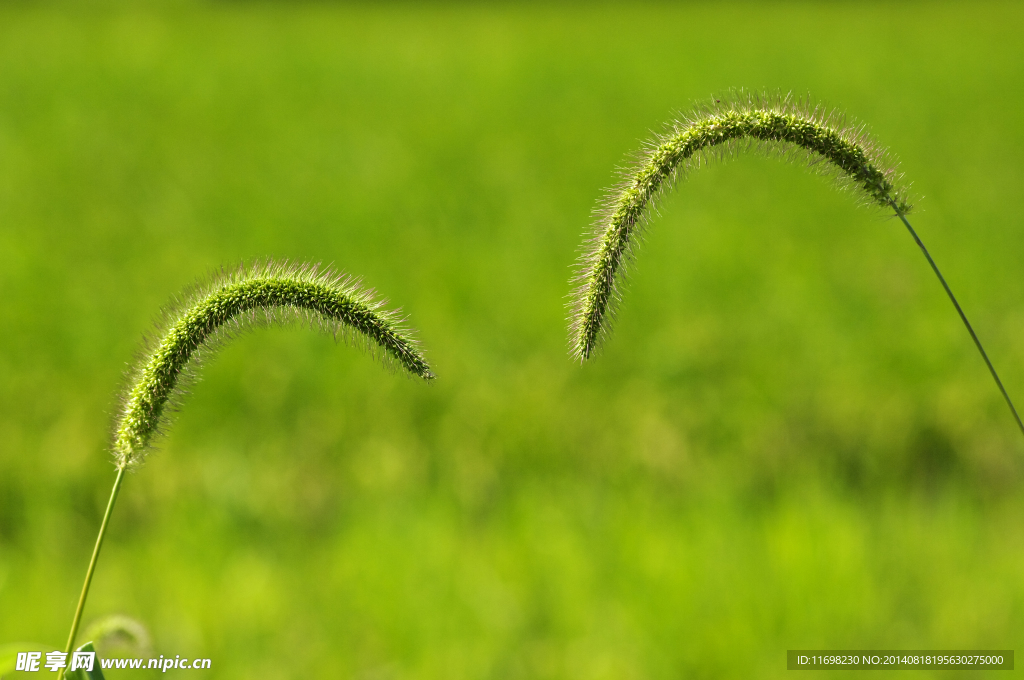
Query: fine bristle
[
  {"x": 773, "y": 124},
  {"x": 232, "y": 301}
]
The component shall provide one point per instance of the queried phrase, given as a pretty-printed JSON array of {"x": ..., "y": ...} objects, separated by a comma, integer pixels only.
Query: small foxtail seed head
[
  {"x": 234, "y": 301},
  {"x": 119, "y": 631},
  {"x": 726, "y": 126}
]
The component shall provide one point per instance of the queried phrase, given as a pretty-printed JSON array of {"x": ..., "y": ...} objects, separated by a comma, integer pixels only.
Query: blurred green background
[{"x": 788, "y": 442}]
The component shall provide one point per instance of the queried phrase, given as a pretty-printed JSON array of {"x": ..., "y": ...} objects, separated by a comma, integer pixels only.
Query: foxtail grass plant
[
  {"x": 777, "y": 125},
  {"x": 119, "y": 632},
  {"x": 216, "y": 310}
]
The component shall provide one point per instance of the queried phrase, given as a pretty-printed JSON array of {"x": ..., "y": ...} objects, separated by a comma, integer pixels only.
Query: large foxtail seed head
[
  {"x": 232, "y": 302},
  {"x": 770, "y": 124}
]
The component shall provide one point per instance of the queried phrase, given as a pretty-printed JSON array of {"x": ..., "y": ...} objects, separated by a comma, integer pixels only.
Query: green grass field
[{"x": 788, "y": 442}]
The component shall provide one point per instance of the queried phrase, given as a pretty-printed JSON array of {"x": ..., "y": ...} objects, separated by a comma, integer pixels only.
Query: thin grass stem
[
  {"x": 743, "y": 121},
  {"x": 92, "y": 565},
  {"x": 261, "y": 294},
  {"x": 963, "y": 317}
]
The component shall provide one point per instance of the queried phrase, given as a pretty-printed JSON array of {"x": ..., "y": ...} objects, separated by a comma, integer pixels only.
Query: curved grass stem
[
  {"x": 92, "y": 565},
  {"x": 744, "y": 121},
  {"x": 261, "y": 294},
  {"x": 963, "y": 317}
]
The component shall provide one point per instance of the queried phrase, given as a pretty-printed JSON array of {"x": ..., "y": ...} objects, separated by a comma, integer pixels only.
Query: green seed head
[
  {"x": 769, "y": 124},
  {"x": 119, "y": 632},
  {"x": 235, "y": 301}
]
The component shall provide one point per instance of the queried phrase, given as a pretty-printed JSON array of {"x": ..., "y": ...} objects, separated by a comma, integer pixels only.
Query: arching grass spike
[
  {"x": 726, "y": 126},
  {"x": 771, "y": 124},
  {"x": 211, "y": 312},
  {"x": 232, "y": 302}
]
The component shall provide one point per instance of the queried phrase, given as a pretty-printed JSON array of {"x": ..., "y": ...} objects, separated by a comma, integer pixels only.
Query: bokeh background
[{"x": 788, "y": 442}]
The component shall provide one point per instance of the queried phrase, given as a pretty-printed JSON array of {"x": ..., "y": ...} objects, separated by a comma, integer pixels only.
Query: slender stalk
[
  {"x": 749, "y": 121},
  {"x": 960, "y": 311},
  {"x": 92, "y": 565},
  {"x": 260, "y": 294}
]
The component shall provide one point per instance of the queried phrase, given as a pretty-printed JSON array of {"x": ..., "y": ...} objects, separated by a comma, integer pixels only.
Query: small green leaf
[{"x": 81, "y": 674}]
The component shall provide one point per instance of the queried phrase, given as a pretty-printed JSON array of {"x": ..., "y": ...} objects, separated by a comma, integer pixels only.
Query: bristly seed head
[
  {"x": 235, "y": 301},
  {"x": 725, "y": 126}
]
